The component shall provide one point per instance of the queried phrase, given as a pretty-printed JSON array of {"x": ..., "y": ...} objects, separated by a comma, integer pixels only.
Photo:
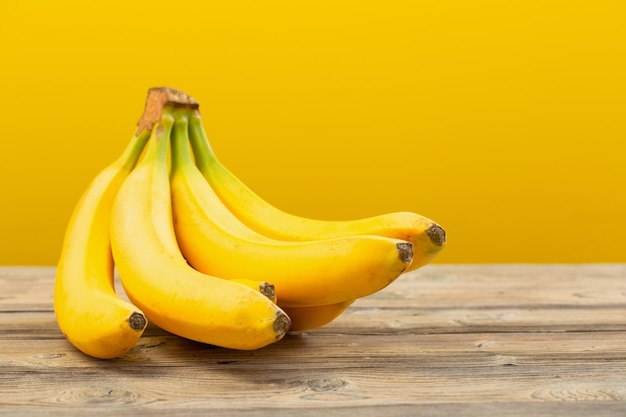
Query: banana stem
[
  {"x": 164, "y": 107},
  {"x": 156, "y": 101},
  {"x": 181, "y": 154},
  {"x": 159, "y": 139},
  {"x": 202, "y": 151},
  {"x": 131, "y": 154}
]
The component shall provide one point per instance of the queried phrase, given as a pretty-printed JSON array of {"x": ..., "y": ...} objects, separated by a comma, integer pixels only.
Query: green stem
[
  {"x": 200, "y": 143},
  {"x": 181, "y": 154},
  {"x": 158, "y": 144},
  {"x": 131, "y": 154}
]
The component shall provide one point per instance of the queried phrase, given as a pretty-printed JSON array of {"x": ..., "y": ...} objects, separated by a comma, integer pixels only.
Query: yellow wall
[{"x": 503, "y": 120}]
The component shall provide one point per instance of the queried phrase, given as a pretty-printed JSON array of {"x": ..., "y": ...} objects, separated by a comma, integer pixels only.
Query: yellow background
[{"x": 505, "y": 121}]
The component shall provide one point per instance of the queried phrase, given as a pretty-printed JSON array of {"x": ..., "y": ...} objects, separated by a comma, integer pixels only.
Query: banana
[
  {"x": 428, "y": 238},
  {"x": 304, "y": 273},
  {"x": 307, "y": 318},
  {"x": 156, "y": 276},
  {"x": 263, "y": 287},
  {"x": 88, "y": 311}
]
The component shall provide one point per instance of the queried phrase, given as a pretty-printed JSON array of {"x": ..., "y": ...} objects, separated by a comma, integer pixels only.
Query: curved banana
[
  {"x": 88, "y": 311},
  {"x": 428, "y": 238},
  {"x": 263, "y": 287},
  {"x": 157, "y": 278},
  {"x": 307, "y": 318},
  {"x": 304, "y": 273}
]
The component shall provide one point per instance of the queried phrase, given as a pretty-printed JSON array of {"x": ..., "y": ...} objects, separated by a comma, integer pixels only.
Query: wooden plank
[
  {"x": 305, "y": 369},
  {"x": 500, "y": 409},
  {"x": 446, "y": 340},
  {"x": 30, "y": 288},
  {"x": 525, "y": 286},
  {"x": 24, "y": 288},
  {"x": 388, "y": 320},
  {"x": 381, "y": 320}
]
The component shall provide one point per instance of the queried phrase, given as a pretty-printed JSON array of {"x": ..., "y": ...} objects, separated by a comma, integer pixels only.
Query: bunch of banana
[
  {"x": 201, "y": 256},
  {"x": 318, "y": 267}
]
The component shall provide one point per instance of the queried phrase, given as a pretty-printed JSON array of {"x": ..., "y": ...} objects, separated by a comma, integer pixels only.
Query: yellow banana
[
  {"x": 307, "y": 318},
  {"x": 428, "y": 238},
  {"x": 304, "y": 273},
  {"x": 263, "y": 287},
  {"x": 157, "y": 278},
  {"x": 88, "y": 311}
]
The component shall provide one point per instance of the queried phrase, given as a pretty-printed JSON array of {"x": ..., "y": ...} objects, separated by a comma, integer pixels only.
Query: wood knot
[
  {"x": 101, "y": 395},
  {"x": 52, "y": 355},
  {"x": 326, "y": 384}
]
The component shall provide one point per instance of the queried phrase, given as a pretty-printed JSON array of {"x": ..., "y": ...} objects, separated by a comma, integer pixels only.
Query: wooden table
[{"x": 463, "y": 340}]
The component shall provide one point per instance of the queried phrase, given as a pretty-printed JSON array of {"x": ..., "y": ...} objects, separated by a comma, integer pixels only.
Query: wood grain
[{"x": 469, "y": 340}]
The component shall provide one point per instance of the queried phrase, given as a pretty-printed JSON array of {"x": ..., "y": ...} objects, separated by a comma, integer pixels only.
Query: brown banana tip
[
  {"x": 268, "y": 290},
  {"x": 137, "y": 321},
  {"x": 405, "y": 252},
  {"x": 282, "y": 323},
  {"x": 436, "y": 234},
  {"x": 159, "y": 97}
]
